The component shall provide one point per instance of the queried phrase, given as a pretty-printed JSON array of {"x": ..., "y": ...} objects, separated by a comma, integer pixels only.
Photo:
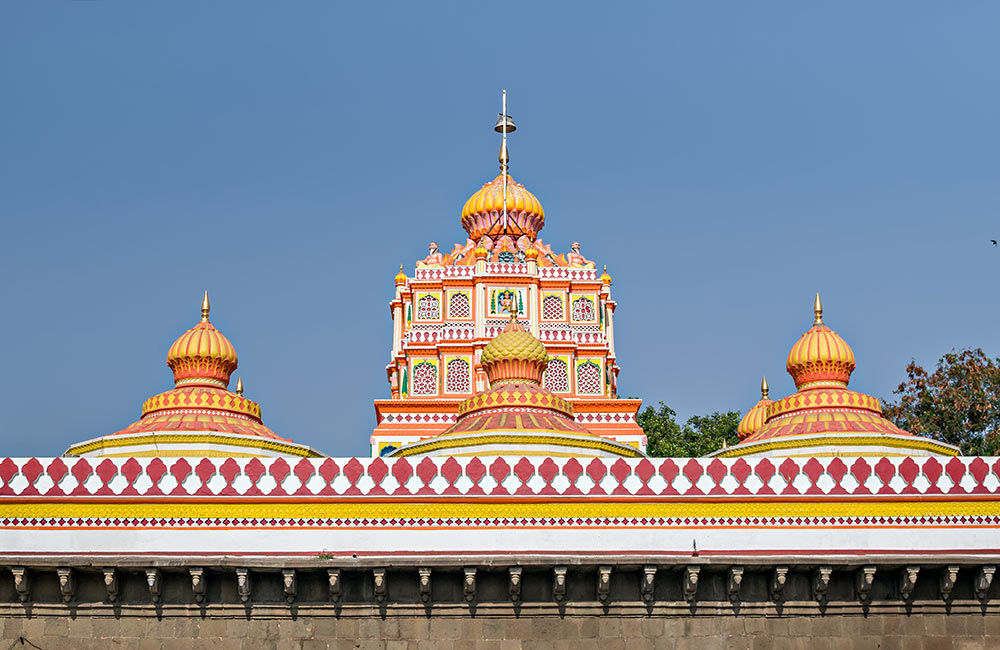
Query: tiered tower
[{"x": 446, "y": 313}]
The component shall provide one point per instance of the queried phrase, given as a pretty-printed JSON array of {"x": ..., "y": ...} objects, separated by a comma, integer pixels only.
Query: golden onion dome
[
  {"x": 525, "y": 215},
  {"x": 514, "y": 356},
  {"x": 756, "y": 416},
  {"x": 820, "y": 358},
  {"x": 202, "y": 355},
  {"x": 605, "y": 278},
  {"x": 400, "y": 277}
]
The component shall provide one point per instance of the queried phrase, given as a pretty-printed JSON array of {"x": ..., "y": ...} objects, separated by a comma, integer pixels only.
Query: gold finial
[
  {"x": 763, "y": 388},
  {"x": 818, "y": 310},
  {"x": 205, "y": 307},
  {"x": 239, "y": 386},
  {"x": 400, "y": 268},
  {"x": 504, "y": 157}
]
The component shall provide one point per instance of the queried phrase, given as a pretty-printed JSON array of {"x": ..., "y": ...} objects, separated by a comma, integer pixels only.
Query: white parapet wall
[{"x": 409, "y": 511}]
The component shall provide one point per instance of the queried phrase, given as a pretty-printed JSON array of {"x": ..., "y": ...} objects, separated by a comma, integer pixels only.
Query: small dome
[
  {"x": 605, "y": 278},
  {"x": 514, "y": 356},
  {"x": 756, "y": 416},
  {"x": 820, "y": 358},
  {"x": 202, "y": 355},
  {"x": 524, "y": 211},
  {"x": 400, "y": 277}
]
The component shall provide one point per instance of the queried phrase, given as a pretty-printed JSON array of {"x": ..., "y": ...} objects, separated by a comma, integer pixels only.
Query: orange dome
[
  {"x": 202, "y": 355},
  {"x": 756, "y": 416},
  {"x": 820, "y": 358},
  {"x": 482, "y": 213}
]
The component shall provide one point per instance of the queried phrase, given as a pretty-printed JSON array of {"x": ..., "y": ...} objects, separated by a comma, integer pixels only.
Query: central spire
[{"x": 504, "y": 126}]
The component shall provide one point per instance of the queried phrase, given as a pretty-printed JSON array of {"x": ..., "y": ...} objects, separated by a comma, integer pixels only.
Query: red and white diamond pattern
[{"x": 808, "y": 478}]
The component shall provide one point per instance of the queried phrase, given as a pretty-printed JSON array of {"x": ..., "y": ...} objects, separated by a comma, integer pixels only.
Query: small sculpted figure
[
  {"x": 576, "y": 260},
  {"x": 434, "y": 259}
]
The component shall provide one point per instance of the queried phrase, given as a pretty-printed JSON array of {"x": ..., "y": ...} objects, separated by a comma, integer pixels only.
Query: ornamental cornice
[
  {"x": 219, "y": 400},
  {"x": 822, "y": 399},
  {"x": 229, "y": 440},
  {"x": 833, "y": 440},
  {"x": 559, "y": 439}
]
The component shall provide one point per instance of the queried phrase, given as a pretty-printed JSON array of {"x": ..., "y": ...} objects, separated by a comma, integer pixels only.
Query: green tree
[
  {"x": 700, "y": 435},
  {"x": 958, "y": 403}
]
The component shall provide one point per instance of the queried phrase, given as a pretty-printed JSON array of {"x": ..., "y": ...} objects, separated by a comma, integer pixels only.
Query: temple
[
  {"x": 508, "y": 496},
  {"x": 446, "y": 313}
]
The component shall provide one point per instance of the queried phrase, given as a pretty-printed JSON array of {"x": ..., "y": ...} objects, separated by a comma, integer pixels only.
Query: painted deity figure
[
  {"x": 506, "y": 301},
  {"x": 434, "y": 259},
  {"x": 576, "y": 260}
]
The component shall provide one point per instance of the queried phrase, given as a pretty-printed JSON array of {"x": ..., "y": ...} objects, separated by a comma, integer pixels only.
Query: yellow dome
[
  {"x": 525, "y": 215},
  {"x": 820, "y": 357},
  {"x": 514, "y": 356},
  {"x": 202, "y": 355},
  {"x": 756, "y": 416},
  {"x": 514, "y": 344},
  {"x": 400, "y": 277}
]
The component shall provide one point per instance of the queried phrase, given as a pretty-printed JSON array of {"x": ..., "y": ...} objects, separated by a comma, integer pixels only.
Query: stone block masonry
[{"x": 571, "y": 631}]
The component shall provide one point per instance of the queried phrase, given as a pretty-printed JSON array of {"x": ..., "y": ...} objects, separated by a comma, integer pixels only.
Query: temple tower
[{"x": 453, "y": 304}]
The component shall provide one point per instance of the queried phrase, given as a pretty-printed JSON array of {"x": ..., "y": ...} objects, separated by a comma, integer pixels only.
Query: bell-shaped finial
[
  {"x": 763, "y": 388},
  {"x": 505, "y": 124},
  {"x": 818, "y": 310},
  {"x": 206, "y": 307},
  {"x": 239, "y": 386}
]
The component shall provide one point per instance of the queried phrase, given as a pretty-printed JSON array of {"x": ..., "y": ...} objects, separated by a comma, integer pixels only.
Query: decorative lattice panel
[
  {"x": 428, "y": 308},
  {"x": 552, "y": 308},
  {"x": 556, "y": 378},
  {"x": 583, "y": 309},
  {"x": 456, "y": 376},
  {"x": 425, "y": 375},
  {"x": 588, "y": 379},
  {"x": 458, "y": 305}
]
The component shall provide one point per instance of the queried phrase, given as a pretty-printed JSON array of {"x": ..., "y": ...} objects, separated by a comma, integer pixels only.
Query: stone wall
[
  {"x": 572, "y": 631},
  {"x": 602, "y": 607}
]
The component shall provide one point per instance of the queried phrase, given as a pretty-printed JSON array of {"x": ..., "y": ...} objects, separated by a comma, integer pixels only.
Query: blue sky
[{"x": 725, "y": 160}]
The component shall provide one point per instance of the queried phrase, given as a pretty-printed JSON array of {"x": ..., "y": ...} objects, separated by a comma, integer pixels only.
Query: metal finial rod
[
  {"x": 505, "y": 159},
  {"x": 763, "y": 388},
  {"x": 818, "y": 310},
  {"x": 239, "y": 386},
  {"x": 206, "y": 307}
]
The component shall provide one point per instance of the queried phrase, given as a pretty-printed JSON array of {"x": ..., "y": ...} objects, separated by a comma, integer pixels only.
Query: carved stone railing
[
  {"x": 446, "y": 272},
  {"x": 557, "y": 332},
  {"x": 561, "y": 273},
  {"x": 421, "y": 333}
]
